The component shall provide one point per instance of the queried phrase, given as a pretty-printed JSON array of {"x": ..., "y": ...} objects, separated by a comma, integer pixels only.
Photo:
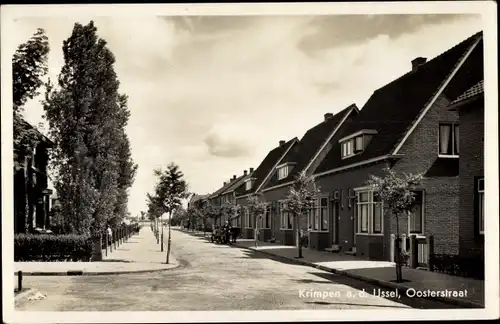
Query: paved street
[{"x": 212, "y": 277}]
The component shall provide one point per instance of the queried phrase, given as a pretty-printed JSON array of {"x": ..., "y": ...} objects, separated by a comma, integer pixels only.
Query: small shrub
[
  {"x": 456, "y": 265},
  {"x": 45, "y": 247}
]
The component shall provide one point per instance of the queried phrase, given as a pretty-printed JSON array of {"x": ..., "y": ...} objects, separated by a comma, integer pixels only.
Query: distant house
[
  {"x": 304, "y": 157},
  {"x": 31, "y": 195},
  {"x": 407, "y": 126},
  {"x": 229, "y": 196},
  {"x": 470, "y": 105},
  {"x": 255, "y": 183},
  {"x": 217, "y": 200},
  {"x": 203, "y": 199}
]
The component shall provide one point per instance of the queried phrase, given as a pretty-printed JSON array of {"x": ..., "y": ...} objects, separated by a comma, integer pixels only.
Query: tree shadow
[
  {"x": 117, "y": 260},
  {"x": 251, "y": 254}
]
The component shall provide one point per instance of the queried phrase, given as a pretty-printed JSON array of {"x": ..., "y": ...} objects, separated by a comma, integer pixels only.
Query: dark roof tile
[
  {"x": 392, "y": 109},
  {"x": 267, "y": 165},
  {"x": 312, "y": 141}
]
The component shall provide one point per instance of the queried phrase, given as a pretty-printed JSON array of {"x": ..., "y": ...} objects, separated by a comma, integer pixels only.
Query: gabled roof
[
  {"x": 268, "y": 164},
  {"x": 198, "y": 197},
  {"x": 394, "y": 109},
  {"x": 237, "y": 183},
  {"x": 311, "y": 143},
  {"x": 472, "y": 94},
  {"x": 27, "y": 126},
  {"x": 221, "y": 189}
]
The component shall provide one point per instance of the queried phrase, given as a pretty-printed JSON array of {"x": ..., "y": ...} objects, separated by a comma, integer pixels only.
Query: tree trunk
[
  {"x": 399, "y": 274},
  {"x": 299, "y": 245},
  {"x": 96, "y": 248},
  {"x": 169, "y": 238}
]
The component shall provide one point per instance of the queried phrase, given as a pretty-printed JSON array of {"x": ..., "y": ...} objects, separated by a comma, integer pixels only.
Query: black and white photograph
[{"x": 249, "y": 162}]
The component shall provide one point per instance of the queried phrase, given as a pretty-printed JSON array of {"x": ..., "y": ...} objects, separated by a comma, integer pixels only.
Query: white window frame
[
  {"x": 315, "y": 223},
  {"x": 480, "y": 207},
  {"x": 422, "y": 212},
  {"x": 263, "y": 218},
  {"x": 454, "y": 126},
  {"x": 248, "y": 223},
  {"x": 285, "y": 217},
  {"x": 248, "y": 185},
  {"x": 282, "y": 172},
  {"x": 371, "y": 214}
]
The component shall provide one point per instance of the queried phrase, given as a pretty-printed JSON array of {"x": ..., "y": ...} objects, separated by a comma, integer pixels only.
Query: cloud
[{"x": 215, "y": 94}]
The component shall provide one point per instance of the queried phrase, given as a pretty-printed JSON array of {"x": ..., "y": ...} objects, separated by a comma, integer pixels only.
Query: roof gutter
[
  {"x": 350, "y": 166},
  {"x": 459, "y": 104}
]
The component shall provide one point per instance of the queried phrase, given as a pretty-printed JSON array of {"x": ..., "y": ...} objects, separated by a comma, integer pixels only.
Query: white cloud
[{"x": 246, "y": 87}]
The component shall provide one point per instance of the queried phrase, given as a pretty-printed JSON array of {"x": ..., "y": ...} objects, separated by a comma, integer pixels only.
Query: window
[
  {"x": 285, "y": 217},
  {"x": 248, "y": 219},
  {"x": 416, "y": 220},
  {"x": 369, "y": 213},
  {"x": 480, "y": 191},
  {"x": 249, "y": 184},
  {"x": 282, "y": 172},
  {"x": 318, "y": 215},
  {"x": 324, "y": 214},
  {"x": 352, "y": 146},
  {"x": 448, "y": 140},
  {"x": 267, "y": 217}
]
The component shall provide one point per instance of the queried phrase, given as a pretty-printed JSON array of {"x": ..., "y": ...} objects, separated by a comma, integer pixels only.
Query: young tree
[
  {"x": 87, "y": 118},
  {"x": 170, "y": 190},
  {"x": 397, "y": 197},
  {"x": 299, "y": 202},
  {"x": 256, "y": 209}
]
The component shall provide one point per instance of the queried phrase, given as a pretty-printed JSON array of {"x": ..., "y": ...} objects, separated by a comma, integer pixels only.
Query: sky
[{"x": 215, "y": 94}]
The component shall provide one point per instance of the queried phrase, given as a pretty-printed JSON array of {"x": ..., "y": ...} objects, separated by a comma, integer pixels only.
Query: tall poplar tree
[{"x": 87, "y": 117}]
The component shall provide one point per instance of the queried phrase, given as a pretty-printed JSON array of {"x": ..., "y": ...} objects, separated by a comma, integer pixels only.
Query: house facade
[
  {"x": 254, "y": 184},
  {"x": 304, "y": 157},
  {"x": 470, "y": 106},
  {"x": 31, "y": 193},
  {"x": 405, "y": 126}
]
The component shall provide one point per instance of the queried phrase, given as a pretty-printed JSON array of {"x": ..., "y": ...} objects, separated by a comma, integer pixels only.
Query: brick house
[
  {"x": 200, "y": 200},
  {"x": 254, "y": 184},
  {"x": 229, "y": 196},
  {"x": 216, "y": 200},
  {"x": 31, "y": 193},
  {"x": 470, "y": 106},
  {"x": 304, "y": 156},
  {"x": 407, "y": 126}
]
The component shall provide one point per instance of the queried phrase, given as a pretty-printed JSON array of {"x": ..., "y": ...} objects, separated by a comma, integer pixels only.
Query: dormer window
[
  {"x": 284, "y": 169},
  {"x": 249, "y": 183},
  {"x": 356, "y": 143}
]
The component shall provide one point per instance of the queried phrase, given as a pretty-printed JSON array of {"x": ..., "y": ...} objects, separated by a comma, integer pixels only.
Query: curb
[
  {"x": 93, "y": 273},
  {"x": 401, "y": 288}
]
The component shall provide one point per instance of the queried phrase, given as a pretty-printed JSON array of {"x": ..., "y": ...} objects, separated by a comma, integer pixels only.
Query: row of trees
[
  {"x": 91, "y": 163},
  {"x": 393, "y": 190}
]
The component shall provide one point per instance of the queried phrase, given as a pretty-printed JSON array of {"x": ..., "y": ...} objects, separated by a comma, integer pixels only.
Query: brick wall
[
  {"x": 471, "y": 167},
  {"x": 441, "y": 193},
  {"x": 345, "y": 180}
]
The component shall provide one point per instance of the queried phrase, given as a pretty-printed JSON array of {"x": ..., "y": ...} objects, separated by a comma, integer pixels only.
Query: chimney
[
  {"x": 416, "y": 63},
  {"x": 245, "y": 172},
  {"x": 282, "y": 143},
  {"x": 234, "y": 177},
  {"x": 225, "y": 183},
  {"x": 251, "y": 170},
  {"x": 328, "y": 116}
]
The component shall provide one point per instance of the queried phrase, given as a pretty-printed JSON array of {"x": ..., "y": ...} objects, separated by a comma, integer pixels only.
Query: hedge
[{"x": 44, "y": 247}]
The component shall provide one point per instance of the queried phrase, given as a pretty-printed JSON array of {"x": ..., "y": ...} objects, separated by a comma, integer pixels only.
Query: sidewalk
[
  {"x": 381, "y": 273},
  {"x": 138, "y": 254}
]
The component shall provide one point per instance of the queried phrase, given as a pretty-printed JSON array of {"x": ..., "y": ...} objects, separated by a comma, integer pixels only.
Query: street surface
[{"x": 213, "y": 277}]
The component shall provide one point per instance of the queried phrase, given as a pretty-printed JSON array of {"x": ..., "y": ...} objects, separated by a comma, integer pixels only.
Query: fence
[{"x": 119, "y": 236}]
